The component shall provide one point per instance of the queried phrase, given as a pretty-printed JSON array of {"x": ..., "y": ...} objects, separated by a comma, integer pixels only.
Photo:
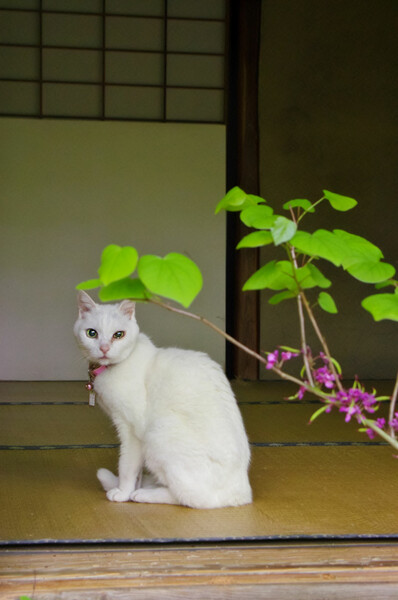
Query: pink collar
[
  {"x": 98, "y": 370},
  {"x": 93, "y": 372}
]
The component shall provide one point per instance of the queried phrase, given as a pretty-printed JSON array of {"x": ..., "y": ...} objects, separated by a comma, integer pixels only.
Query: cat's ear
[
  {"x": 127, "y": 307},
  {"x": 85, "y": 303}
]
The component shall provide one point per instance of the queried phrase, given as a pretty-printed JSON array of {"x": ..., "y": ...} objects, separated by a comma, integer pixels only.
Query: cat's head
[{"x": 106, "y": 333}]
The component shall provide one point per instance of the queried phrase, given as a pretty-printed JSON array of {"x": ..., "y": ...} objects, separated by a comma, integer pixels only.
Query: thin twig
[
  {"x": 322, "y": 340},
  {"x": 308, "y": 387},
  {"x": 212, "y": 326},
  {"x": 372, "y": 425},
  {"x": 303, "y": 337},
  {"x": 313, "y": 205},
  {"x": 304, "y": 345},
  {"x": 393, "y": 403}
]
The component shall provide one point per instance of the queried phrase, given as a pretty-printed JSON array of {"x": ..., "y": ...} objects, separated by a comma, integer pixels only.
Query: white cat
[{"x": 174, "y": 411}]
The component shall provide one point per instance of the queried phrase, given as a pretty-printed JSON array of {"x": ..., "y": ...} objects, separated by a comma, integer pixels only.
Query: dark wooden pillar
[{"x": 242, "y": 170}]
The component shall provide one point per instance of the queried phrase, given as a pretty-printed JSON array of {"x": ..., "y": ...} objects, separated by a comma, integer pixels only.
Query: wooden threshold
[{"x": 278, "y": 570}]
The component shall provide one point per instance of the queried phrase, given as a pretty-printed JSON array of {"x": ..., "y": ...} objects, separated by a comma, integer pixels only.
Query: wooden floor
[
  {"x": 278, "y": 571},
  {"x": 323, "y": 524}
]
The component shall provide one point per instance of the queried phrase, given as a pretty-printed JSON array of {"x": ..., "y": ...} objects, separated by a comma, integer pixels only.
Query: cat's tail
[{"x": 107, "y": 479}]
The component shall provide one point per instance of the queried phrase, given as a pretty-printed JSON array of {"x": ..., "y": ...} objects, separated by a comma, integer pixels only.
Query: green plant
[{"x": 297, "y": 277}]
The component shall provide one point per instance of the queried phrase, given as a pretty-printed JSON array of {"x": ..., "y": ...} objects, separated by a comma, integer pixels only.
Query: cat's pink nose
[{"x": 104, "y": 348}]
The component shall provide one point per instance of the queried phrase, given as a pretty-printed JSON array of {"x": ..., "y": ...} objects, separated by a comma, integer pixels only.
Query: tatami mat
[
  {"x": 38, "y": 392},
  {"x": 323, "y": 480},
  {"x": 28, "y": 425},
  {"x": 298, "y": 492},
  {"x": 61, "y": 416}
]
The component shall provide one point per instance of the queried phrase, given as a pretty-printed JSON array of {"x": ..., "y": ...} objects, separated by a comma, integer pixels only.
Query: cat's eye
[
  {"x": 91, "y": 333},
  {"x": 119, "y": 334}
]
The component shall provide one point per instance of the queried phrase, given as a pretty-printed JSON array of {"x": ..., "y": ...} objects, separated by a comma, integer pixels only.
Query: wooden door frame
[{"x": 242, "y": 308}]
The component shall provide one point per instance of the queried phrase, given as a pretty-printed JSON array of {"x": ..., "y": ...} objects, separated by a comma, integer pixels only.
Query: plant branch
[
  {"x": 312, "y": 389},
  {"x": 225, "y": 335},
  {"x": 393, "y": 404},
  {"x": 322, "y": 340},
  {"x": 303, "y": 337},
  {"x": 293, "y": 215},
  {"x": 313, "y": 205},
  {"x": 388, "y": 437},
  {"x": 371, "y": 425},
  {"x": 304, "y": 345},
  {"x": 309, "y": 388}
]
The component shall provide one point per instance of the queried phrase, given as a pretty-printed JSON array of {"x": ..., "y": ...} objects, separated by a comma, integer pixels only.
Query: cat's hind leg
[
  {"x": 107, "y": 479},
  {"x": 157, "y": 495}
]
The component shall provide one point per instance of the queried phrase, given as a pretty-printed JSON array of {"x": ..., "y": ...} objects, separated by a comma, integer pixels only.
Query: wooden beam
[
  {"x": 242, "y": 170},
  {"x": 346, "y": 570}
]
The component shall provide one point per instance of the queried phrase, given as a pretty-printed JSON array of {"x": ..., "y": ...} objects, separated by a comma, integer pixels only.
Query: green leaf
[
  {"x": 90, "y": 284},
  {"x": 338, "y": 202},
  {"x": 283, "y": 230},
  {"x": 382, "y": 306},
  {"x": 290, "y": 349},
  {"x": 236, "y": 199},
  {"x": 327, "y": 303},
  {"x": 317, "y": 277},
  {"x": 337, "y": 365},
  {"x": 253, "y": 199},
  {"x": 304, "y": 278},
  {"x": 271, "y": 276},
  {"x": 132, "y": 289},
  {"x": 280, "y": 275},
  {"x": 383, "y": 284},
  {"x": 117, "y": 262},
  {"x": 175, "y": 277},
  {"x": 371, "y": 272},
  {"x": 354, "y": 253},
  {"x": 277, "y": 298},
  {"x": 260, "y": 217},
  {"x": 305, "y": 204},
  {"x": 317, "y": 413},
  {"x": 323, "y": 244},
  {"x": 255, "y": 240},
  {"x": 357, "y": 248}
]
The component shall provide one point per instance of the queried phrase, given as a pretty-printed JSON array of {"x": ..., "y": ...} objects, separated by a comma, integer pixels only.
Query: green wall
[{"x": 328, "y": 97}]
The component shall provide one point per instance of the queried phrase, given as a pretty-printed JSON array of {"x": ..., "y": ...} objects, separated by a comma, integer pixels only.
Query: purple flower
[
  {"x": 272, "y": 359},
  {"x": 288, "y": 355},
  {"x": 351, "y": 410},
  {"x": 362, "y": 399},
  {"x": 323, "y": 356},
  {"x": 301, "y": 392},
  {"x": 369, "y": 402},
  {"x": 394, "y": 422},
  {"x": 325, "y": 377}
]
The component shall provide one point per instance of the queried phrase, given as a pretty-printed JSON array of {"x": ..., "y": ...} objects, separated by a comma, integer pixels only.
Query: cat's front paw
[
  {"x": 139, "y": 496},
  {"x": 117, "y": 495}
]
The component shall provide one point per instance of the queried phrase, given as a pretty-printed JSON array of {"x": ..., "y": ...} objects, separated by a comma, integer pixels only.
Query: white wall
[{"x": 68, "y": 188}]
